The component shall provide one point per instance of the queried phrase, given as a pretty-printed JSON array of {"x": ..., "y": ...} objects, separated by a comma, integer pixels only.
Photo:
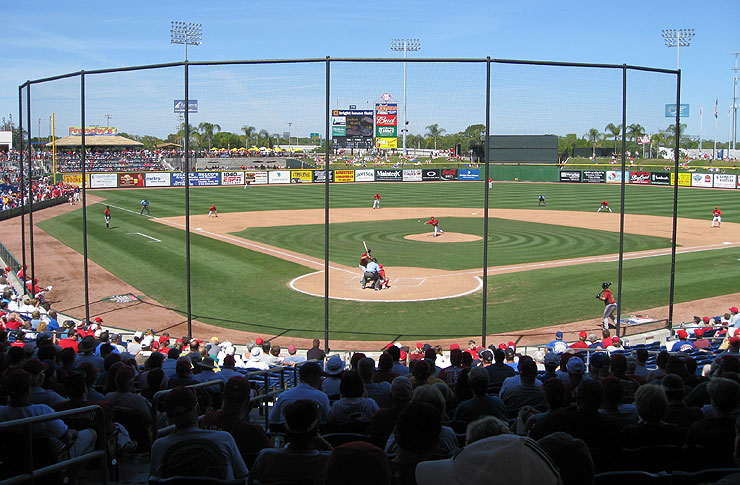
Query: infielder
[
  {"x": 212, "y": 211},
  {"x": 106, "y": 213},
  {"x": 376, "y": 201},
  {"x": 717, "y": 217},
  {"x": 610, "y": 304},
  {"x": 541, "y": 201},
  {"x": 605, "y": 206},
  {"x": 144, "y": 207},
  {"x": 435, "y": 223}
]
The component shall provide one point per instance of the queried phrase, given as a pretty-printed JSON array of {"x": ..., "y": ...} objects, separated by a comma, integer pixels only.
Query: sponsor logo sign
[
  {"x": 430, "y": 174},
  {"x": 352, "y": 112},
  {"x": 278, "y": 176},
  {"x": 448, "y": 174},
  {"x": 197, "y": 179},
  {"x": 232, "y": 178},
  {"x": 613, "y": 177},
  {"x": 344, "y": 175},
  {"x": 300, "y": 177},
  {"x": 570, "y": 175},
  {"x": 157, "y": 179},
  {"x": 365, "y": 175},
  {"x": 386, "y": 120},
  {"x": 320, "y": 176},
  {"x": 130, "y": 179},
  {"x": 412, "y": 175},
  {"x": 386, "y": 131},
  {"x": 315, "y": 136},
  {"x": 103, "y": 180},
  {"x": 386, "y": 143},
  {"x": 94, "y": 130},
  {"x": 640, "y": 178},
  {"x": 469, "y": 174},
  {"x": 725, "y": 180},
  {"x": 75, "y": 179},
  {"x": 256, "y": 178},
  {"x": 338, "y": 131},
  {"x": 660, "y": 178},
  {"x": 382, "y": 175},
  {"x": 386, "y": 108},
  {"x": 643, "y": 140},
  {"x": 684, "y": 179},
  {"x": 594, "y": 176},
  {"x": 701, "y": 180},
  {"x": 179, "y": 106},
  {"x": 670, "y": 110}
]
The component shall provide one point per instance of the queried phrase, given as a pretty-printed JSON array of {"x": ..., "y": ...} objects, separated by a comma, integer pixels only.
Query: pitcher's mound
[{"x": 445, "y": 237}]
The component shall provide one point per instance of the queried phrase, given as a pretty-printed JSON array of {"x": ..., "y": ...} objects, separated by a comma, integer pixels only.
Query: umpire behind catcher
[{"x": 372, "y": 274}]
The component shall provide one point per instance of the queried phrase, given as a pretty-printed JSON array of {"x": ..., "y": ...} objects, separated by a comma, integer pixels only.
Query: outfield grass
[{"x": 238, "y": 288}]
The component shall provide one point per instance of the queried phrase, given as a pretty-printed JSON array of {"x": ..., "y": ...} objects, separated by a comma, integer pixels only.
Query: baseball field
[{"x": 258, "y": 266}]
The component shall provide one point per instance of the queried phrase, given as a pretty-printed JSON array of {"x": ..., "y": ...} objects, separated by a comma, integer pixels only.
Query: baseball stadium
[{"x": 504, "y": 265}]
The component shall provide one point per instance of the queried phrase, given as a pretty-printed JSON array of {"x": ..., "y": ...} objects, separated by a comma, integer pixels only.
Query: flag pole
[{"x": 714, "y": 149}]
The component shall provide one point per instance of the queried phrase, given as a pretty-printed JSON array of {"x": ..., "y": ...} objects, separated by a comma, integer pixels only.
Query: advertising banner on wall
[
  {"x": 448, "y": 174},
  {"x": 412, "y": 175},
  {"x": 614, "y": 177},
  {"x": 344, "y": 175},
  {"x": 197, "y": 179},
  {"x": 469, "y": 174},
  {"x": 358, "y": 128},
  {"x": 570, "y": 175},
  {"x": 93, "y": 130},
  {"x": 75, "y": 179},
  {"x": 278, "y": 176},
  {"x": 365, "y": 175},
  {"x": 130, "y": 179},
  {"x": 157, "y": 179},
  {"x": 725, "y": 180},
  {"x": 660, "y": 178},
  {"x": 319, "y": 176},
  {"x": 594, "y": 176},
  {"x": 386, "y": 120},
  {"x": 684, "y": 179},
  {"x": 385, "y": 132},
  {"x": 301, "y": 177},
  {"x": 256, "y": 178},
  {"x": 382, "y": 175},
  {"x": 232, "y": 178},
  {"x": 103, "y": 180},
  {"x": 386, "y": 143},
  {"x": 430, "y": 174},
  {"x": 642, "y": 178},
  {"x": 386, "y": 108},
  {"x": 701, "y": 180}
]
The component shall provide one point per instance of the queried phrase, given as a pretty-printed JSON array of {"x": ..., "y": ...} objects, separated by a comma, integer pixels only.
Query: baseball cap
[
  {"x": 510, "y": 352},
  {"x": 734, "y": 340},
  {"x": 699, "y": 332},
  {"x": 502, "y": 346},
  {"x": 291, "y": 348},
  {"x": 509, "y": 458},
  {"x": 592, "y": 337},
  {"x": 455, "y": 346},
  {"x": 229, "y": 360},
  {"x": 236, "y": 386},
  {"x": 558, "y": 334},
  {"x": 583, "y": 335},
  {"x": 706, "y": 319},
  {"x": 575, "y": 365},
  {"x": 733, "y": 309},
  {"x": 615, "y": 339},
  {"x": 552, "y": 358},
  {"x": 258, "y": 341},
  {"x": 179, "y": 401},
  {"x": 682, "y": 333},
  {"x": 98, "y": 320}
]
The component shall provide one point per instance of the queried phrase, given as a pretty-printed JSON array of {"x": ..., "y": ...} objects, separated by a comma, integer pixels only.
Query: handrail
[
  {"x": 158, "y": 395},
  {"x": 30, "y": 475}
]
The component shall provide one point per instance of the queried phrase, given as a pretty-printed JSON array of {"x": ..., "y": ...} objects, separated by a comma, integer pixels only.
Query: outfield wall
[{"x": 498, "y": 173}]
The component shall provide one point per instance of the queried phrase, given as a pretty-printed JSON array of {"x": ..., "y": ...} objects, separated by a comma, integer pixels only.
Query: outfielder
[
  {"x": 490, "y": 183},
  {"x": 376, "y": 201},
  {"x": 435, "y": 223},
  {"x": 605, "y": 206},
  {"x": 717, "y": 217},
  {"x": 610, "y": 304},
  {"x": 541, "y": 201},
  {"x": 106, "y": 213}
]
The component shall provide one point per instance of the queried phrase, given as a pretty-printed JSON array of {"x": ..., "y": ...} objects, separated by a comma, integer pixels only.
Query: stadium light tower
[
  {"x": 186, "y": 33},
  {"x": 405, "y": 45},
  {"x": 677, "y": 38}
]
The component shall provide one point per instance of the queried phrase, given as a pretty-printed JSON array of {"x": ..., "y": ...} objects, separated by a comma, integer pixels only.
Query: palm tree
[
  {"x": 672, "y": 133},
  {"x": 593, "y": 136},
  {"x": 263, "y": 137},
  {"x": 613, "y": 130},
  {"x": 248, "y": 132},
  {"x": 433, "y": 131},
  {"x": 207, "y": 130},
  {"x": 635, "y": 131}
]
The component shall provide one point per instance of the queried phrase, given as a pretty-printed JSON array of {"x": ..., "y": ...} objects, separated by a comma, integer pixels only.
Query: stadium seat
[
  {"x": 336, "y": 439},
  {"x": 194, "y": 458},
  {"x": 709, "y": 475},
  {"x": 632, "y": 477}
]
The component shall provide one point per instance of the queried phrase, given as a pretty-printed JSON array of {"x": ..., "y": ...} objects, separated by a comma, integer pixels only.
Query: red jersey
[
  {"x": 212, "y": 208},
  {"x": 364, "y": 259},
  {"x": 579, "y": 345},
  {"x": 607, "y": 296},
  {"x": 716, "y": 212},
  {"x": 432, "y": 221},
  {"x": 106, "y": 212},
  {"x": 377, "y": 196},
  {"x": 604, "y": 203}
]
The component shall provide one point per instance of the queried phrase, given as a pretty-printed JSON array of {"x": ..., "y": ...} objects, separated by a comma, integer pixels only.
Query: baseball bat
[{"x": 363, "y": 243}]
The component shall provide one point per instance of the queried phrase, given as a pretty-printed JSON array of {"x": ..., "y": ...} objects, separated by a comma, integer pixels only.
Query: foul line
[{"x": 144, "y": 235}]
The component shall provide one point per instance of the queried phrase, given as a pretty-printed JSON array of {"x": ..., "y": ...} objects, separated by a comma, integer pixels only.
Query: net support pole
[
  {"x": 671, "y": 291},
  {"x": 21, "y": 182},
  {"x": 484, "y": 329},
  {"x": 326, "y": 208},
  {"x": 30, "y": 274},
  {"x": 621, "y": 199},
  {"x": 187, "y": 203},
  {"x": 84, "y": 197}
]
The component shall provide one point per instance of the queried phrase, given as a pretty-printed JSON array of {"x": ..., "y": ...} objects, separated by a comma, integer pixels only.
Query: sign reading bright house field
[{"x": 352, "y": 128}]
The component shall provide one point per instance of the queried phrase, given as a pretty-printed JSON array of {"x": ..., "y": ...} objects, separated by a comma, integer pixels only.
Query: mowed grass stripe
[{"x": 511, "y": 242}]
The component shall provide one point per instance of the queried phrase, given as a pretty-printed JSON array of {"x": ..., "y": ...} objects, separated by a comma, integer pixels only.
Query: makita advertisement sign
[
  {"x": 660, "y": 178},
  {"x": 430, "y": 174},
  {"x": 388, "y": 175},
  {"x": 640, "y": 178},
  {"x": 448, "y": 174}
]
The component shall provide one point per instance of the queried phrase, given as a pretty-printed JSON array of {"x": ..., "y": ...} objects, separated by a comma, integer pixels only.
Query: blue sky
[{"x": 43, "y": 38}]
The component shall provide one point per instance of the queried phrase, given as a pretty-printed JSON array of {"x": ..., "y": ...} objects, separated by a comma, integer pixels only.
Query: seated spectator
[
  {"x": 625, "y": 414},
  {"x": 365, "y": 463},
  {"x": 155, "y": 381},
  {"x": 526, "y": 393},
  {"x": 641, "y": 370},
  {"x": 352, "y": 407},
  {"x": 485, "y": 427},
  {"x": 511, "y": 459},
  {"x": 701, "y": 343},
  {"x": 422, "y": 374},
  {"x": 18, "y": 385},
  {"x": 718, "y": 433},
  {"x": 551, "y": 362},
  {"x": 123, "y": 397},
  {"x": 555, "y": 397},
  {"x": 227, "y": 369},
  {"x": 300, "y": 460},
  {"x": 630, "y": 383},
  {"x": 678, "y": 411},
  {"x": 37, "y": 371},
  {"x": 334, "y": 368},
  {"x": 170, "y": 363},
  {"x": 86, "y": 353},
  {"x": 683, "y": 344},
  {"x": 571, "y": 456},
  {"x": 385, "y": 419},
  {"x": 233, "y": 418},
  {"x": 651, "y": 405},
  {"x": 380, "y": 392},
  {"x": 481, "y": 404},
  {"x": 91, "y": 379},
  {"x": 558, "y": 345},
  {"x": 273, "y": 358},
  {"x": 182, "y": 411},
  {"x": 417, "y": 434},
  {"x": 385, "y": 372},
  {"x": 398, "y": 366},
  {"x": 660, "y": 362},
  {"x": 450, "y": 374},
  {"x": 498, "y": 371},
  {"x": 315, "y": 353},
  {"x": 293, "y": 358},
  {"x": 308, "y": 388},
  {"x": 183, "y": 374},
  {"x": 582, "y": 343}
]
